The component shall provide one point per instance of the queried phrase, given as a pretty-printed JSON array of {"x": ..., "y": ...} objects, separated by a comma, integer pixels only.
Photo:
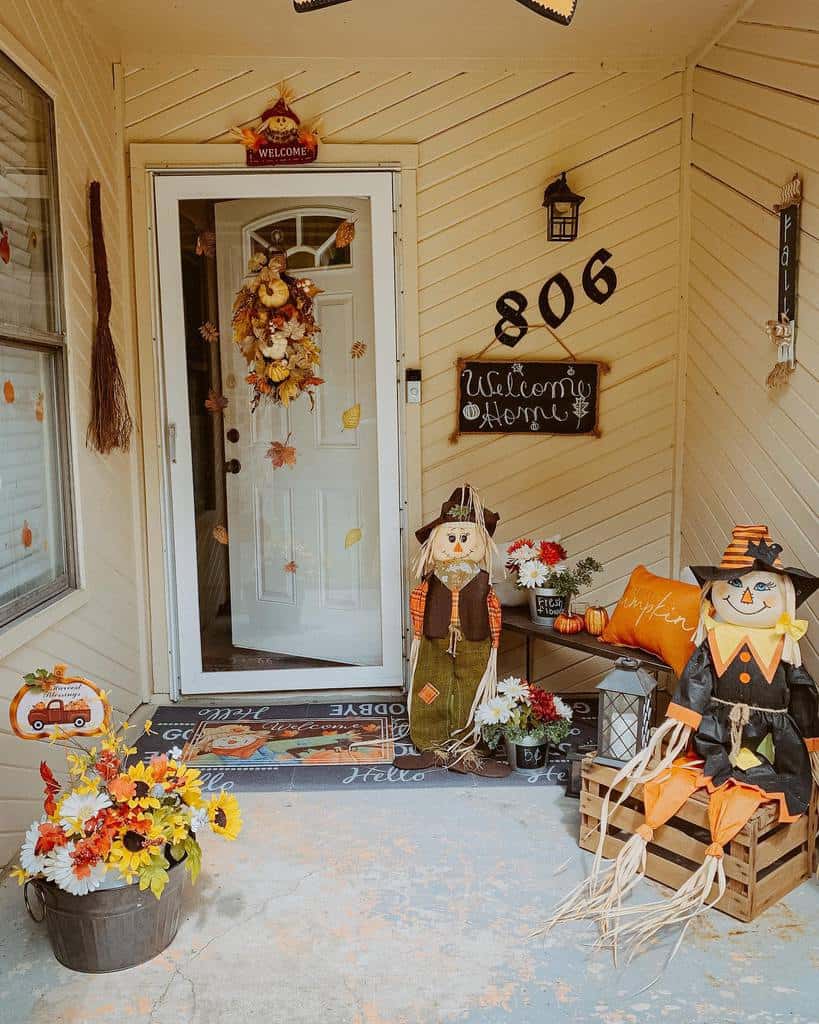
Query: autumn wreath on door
[{"x": 275, "y": 329}]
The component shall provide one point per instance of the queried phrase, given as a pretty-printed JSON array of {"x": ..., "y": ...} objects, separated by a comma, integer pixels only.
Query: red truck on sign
[{"x": 55, "y": 712}]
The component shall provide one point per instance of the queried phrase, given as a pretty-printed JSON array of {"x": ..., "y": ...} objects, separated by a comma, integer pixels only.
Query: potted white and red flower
[
  {"x": 534, "y": 565},
  {"x": 529, "y": 720}
]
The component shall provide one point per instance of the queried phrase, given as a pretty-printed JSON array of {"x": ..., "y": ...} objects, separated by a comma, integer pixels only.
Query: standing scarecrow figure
[
  {"x": 743, "y": 725},
  {"x": 456, "y": 626}
]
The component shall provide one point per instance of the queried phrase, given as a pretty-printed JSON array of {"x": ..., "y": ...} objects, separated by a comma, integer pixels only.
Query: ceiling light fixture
[{"x": 561, "y": 11}]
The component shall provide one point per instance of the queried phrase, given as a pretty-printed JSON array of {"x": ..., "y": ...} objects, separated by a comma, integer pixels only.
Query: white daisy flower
[
  {"x": 199, "y": 819},
  {"x": 532, "y": 574},
  {"x": 495, "y": 711},
  {"x": 60, "y": 869},
  {"x": 514, "y": 689},
  {"x": 79, "y": 807},
  {"x": 562, "y": 708},
  {"x": 30, "y": 861},
  {"x": 524, "y": 553}
]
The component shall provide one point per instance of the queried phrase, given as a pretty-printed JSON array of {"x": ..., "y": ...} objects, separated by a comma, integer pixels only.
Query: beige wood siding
[
  {"x": 751, "y": 455},
  {"x": 103, "y": 638},
  {"x": 489, "y": 142}
]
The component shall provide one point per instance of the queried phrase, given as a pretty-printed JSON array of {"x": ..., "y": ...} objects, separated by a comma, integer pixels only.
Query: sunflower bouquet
[
  {"x": 112, "y": 823},
  {"x": 275, "y": 329}
]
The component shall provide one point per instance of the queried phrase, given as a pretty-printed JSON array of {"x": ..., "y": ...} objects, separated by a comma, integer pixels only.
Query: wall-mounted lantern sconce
[{"x": 562, "y": 209}]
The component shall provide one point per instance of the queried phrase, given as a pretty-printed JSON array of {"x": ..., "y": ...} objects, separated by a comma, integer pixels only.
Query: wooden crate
[{"x": 763, "y": 862}]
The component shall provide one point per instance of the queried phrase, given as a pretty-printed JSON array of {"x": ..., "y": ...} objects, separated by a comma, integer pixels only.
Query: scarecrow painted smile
[{"x": 754, "y": 594}]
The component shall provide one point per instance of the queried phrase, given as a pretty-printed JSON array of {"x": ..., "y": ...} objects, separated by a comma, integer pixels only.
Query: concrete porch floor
[{"x": 411, "y": 907}]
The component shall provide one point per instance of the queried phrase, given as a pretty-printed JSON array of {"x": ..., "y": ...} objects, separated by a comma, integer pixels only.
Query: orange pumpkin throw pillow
[{"x": 657, "y": 614}]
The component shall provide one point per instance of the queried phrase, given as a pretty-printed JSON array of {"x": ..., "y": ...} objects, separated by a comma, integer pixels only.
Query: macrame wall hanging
[
  {"x": 110, "y": 425},
  {"x": 561, "y": 11}
]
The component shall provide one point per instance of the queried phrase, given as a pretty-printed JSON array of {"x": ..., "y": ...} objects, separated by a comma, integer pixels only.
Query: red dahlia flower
[{"x": 550, "y": 552}]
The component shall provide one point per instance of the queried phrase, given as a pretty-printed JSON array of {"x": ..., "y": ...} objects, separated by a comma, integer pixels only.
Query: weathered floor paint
[{"x": 412, "y": 907}]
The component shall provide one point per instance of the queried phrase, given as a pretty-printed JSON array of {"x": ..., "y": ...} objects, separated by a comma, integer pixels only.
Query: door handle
[
  {"x": 233, "y": 466},
  {"x": 232, "y": 435}
]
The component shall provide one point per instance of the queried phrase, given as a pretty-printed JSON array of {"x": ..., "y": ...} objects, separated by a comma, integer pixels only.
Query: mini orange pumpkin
[
  {"x": 596, "y": 619},
  {"x": 568, "y": 623}
]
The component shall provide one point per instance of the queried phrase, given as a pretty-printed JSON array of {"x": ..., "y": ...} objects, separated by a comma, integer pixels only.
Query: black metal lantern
[
  {"x": 625, "y": 711},
  {"x": 576, "y": 757},
  {"x": 563, "y": 208}
]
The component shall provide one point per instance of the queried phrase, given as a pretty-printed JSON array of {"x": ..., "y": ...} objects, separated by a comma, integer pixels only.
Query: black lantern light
[
  {"x": 624, "y": 714},
  {"x": 576, "y": 757},
  {"x": 563, "y": 208}
]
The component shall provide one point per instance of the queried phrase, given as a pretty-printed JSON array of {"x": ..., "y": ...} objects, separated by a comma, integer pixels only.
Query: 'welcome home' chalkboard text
[{"x": 526, "y": 397}]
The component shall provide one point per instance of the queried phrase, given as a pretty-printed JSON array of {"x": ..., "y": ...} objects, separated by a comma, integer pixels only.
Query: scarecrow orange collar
[{"x": 727, "y": 640}]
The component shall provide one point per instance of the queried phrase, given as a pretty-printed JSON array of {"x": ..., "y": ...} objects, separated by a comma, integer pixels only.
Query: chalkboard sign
[
  {"x": 788, "y": 254},
  {"x": 526, "y": 397}
]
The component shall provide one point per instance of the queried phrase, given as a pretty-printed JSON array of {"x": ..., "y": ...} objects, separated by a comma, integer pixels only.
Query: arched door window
[{"x": 309, "y": 238}]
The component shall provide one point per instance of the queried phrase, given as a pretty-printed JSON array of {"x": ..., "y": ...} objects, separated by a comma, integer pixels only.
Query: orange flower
[
  {"x": 122, "y": 788},
  {"x": 51, "y": 836},
  {"x": 158, "y": 767}
]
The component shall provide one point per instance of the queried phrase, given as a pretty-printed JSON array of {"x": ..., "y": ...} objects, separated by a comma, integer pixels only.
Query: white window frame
[{"x": 18, "y": 616}]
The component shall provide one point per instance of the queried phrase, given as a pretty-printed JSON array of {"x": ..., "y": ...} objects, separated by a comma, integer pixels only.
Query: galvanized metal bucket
[
  {"x": 527, "y": 755},
  {"x": 545, "y": 605},
  {"x": 110, "y": 929}
]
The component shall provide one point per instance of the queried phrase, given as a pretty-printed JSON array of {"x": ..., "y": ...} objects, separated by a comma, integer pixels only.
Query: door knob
[
  {"x": 233, "y": 466},
  {"x": 233, "y": 435}
]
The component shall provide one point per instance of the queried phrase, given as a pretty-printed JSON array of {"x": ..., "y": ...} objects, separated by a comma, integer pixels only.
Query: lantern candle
[{"x": 623, "y": 736}]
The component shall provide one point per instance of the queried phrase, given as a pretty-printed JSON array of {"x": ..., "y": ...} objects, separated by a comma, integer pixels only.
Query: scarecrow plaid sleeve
[
  {"x": 495, "y": 617},
  {"x": 418, "y": 602}
]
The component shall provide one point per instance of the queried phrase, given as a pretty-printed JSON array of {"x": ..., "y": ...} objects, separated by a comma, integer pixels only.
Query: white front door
[{"x": 288, "y": 576}]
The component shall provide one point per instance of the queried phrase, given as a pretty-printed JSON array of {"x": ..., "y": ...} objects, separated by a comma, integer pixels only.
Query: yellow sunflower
[
  {"x": 185, "y": 782},
  {"x": 224, "y": 815},
  {"x": 140, "y": 775},
  {"x": 133, "y": 851}
]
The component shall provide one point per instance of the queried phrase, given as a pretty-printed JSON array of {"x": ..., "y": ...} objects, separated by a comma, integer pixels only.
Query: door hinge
[{"x": 172, "y": 442}]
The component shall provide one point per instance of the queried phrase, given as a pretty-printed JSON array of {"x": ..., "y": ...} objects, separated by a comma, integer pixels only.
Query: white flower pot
[{"x": 545, "y": 605}]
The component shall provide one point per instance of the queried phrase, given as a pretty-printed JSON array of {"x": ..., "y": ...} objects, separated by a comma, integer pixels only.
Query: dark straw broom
[{"x": 110, "y": 425}]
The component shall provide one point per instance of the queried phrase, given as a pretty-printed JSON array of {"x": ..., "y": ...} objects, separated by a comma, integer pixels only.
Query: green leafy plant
[{"x": 568, "y": 583}]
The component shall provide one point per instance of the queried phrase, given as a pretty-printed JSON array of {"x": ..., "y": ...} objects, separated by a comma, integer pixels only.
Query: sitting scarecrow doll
[
  {"x": 456, "y": 626},
  {"x": 743, "y": 725}
]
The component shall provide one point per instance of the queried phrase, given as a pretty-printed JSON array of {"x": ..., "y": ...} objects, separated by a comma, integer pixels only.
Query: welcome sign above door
[{"x": 527, "y": 397}]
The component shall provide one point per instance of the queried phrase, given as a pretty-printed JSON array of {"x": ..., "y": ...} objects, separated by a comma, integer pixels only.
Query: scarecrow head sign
[
  {"x": 53, "y": 705},
  {"x": 279, "y": 138}
]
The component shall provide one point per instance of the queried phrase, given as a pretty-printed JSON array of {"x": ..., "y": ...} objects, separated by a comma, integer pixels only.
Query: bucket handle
[{"x": 35, "y": 883}]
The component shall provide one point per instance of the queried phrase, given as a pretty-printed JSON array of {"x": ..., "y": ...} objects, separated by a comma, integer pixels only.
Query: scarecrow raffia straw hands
[{"x": 743, "y": 726}]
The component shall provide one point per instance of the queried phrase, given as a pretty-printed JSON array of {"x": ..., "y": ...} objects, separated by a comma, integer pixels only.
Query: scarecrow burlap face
[
  {"x": 464, "y": 541},
  {"x": 755, "y": 599}
]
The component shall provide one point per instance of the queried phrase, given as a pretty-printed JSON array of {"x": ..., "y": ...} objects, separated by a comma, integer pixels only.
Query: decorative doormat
[{"x": 319, "y": 746}]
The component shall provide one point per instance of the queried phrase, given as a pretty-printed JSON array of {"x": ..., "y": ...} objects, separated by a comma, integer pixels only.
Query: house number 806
[{"x": 598, "y": 284}]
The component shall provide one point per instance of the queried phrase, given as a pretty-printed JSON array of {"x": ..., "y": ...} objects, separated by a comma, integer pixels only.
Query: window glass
[{"x": 29, "y": 286}]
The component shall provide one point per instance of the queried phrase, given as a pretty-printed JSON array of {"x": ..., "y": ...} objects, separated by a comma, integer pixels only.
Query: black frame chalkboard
[{"x": 528, "y": 396}]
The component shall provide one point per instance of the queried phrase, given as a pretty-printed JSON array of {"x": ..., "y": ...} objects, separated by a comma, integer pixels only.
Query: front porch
[{"x": 412, "y": 906}]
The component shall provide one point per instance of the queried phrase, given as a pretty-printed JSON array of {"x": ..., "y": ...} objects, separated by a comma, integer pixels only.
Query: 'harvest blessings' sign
[{"x": 524, "y": 397}]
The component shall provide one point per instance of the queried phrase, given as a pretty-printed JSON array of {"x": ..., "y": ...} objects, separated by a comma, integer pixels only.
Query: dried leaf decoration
[
  {"x": 345, "y": 233},
  {"x": 209, "y": 332},
  {"x": 206, "y": 244},
  {"x": 220, "y": 534},
  {"x": 351, "y": 417},
  {"x": 353, "y": 537},
  {"x": 215, "y": 402},
  {"x": 39, "y": 408},
  {"x": 5, "y": 245},
  {"x": 8, "y": 392},
  {"x": 281, "y": 453},
  {"x": 290, "y": 566},
  {"x": 26, "y": 536},
  {"x": 358, "y": 350}
]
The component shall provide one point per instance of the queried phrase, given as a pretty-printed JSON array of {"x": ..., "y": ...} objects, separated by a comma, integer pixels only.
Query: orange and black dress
[{"x": 755, "y": 717}]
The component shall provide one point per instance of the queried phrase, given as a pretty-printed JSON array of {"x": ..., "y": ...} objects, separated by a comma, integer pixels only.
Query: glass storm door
[{"x": 285, "y": 517}]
